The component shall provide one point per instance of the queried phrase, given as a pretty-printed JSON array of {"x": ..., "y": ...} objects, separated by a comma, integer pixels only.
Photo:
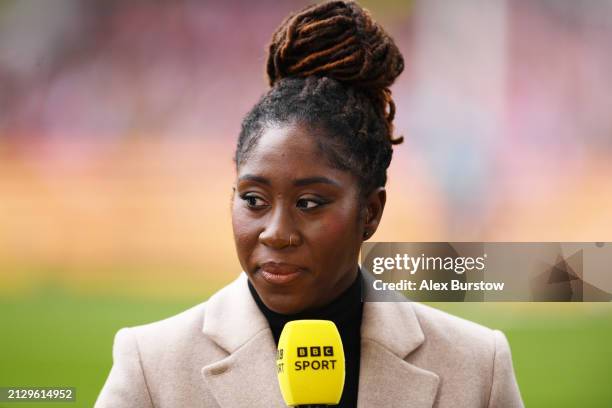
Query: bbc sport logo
[{"x": 315, "y": 351}]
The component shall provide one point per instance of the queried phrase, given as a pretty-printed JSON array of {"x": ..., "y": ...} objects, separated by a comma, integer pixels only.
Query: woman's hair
[{"x": 330, "y": 67}]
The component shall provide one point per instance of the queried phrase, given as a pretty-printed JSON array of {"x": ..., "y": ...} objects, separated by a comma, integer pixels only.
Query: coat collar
[
  {"x": 247, "y": 375},
  {"x": 390, "y": 331},
  {"x": 224, "y": 325}
]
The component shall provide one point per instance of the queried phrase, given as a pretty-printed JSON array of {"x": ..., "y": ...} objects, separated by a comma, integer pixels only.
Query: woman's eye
[
  {"x": 253, "y": 201},
  {"x": 309, "y": 204}
]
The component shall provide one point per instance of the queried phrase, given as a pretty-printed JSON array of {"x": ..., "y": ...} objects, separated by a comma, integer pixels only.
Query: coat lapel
[
  {"x": 386, "y": 380},
  {"x": 390, "y": 331},
  {"x": 246, "y": 377}
]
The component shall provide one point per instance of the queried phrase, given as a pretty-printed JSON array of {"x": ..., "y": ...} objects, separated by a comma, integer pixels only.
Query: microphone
[{"x": 310, "y": 363}]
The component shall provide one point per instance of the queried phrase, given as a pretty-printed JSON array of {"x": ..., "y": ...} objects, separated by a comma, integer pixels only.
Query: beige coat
[{"x": 221, "y": 353}]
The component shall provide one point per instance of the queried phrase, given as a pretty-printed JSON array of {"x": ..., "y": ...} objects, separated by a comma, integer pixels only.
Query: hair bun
[{"x": 338, "y": 39}]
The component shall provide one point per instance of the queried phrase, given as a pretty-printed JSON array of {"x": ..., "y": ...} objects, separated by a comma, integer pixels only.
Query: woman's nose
[{"x": 280, "y": 231}]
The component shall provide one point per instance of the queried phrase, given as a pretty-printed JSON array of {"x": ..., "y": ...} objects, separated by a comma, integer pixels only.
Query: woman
[{"x": 311, "y": 166}]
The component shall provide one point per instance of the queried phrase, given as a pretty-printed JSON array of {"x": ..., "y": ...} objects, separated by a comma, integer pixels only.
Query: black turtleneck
[{"x": 345, "y": 311}]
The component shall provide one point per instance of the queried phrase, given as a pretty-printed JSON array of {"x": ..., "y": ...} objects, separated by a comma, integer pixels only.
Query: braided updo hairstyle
[{"x": 330, "y": 67}]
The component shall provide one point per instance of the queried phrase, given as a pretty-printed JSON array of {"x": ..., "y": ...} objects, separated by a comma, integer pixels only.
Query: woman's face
[{"x": 297, "y": 222}]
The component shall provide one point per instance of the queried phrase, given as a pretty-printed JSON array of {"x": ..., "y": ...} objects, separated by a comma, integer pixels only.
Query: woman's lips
[{"x": 279, "y": 273}]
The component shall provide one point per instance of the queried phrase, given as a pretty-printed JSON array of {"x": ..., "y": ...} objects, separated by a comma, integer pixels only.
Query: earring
[
  {"x": 290, "y": 236},
  {"x": 366, "y": 234}
]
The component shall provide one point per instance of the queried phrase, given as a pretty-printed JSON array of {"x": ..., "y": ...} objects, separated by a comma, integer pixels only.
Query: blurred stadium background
[{"x": 117, "y": 126}]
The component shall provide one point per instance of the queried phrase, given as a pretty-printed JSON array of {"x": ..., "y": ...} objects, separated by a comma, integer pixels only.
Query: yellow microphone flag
[{"x": 310, "y": 363}]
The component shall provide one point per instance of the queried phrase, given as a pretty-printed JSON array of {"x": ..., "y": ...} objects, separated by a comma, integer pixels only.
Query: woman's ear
[{"x": 374, "y": 207}]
